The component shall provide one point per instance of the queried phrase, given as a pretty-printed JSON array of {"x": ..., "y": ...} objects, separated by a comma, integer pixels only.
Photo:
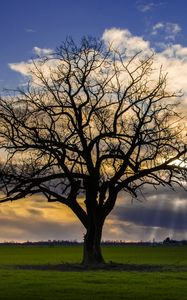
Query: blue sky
[{"x": 43, "y": 24}]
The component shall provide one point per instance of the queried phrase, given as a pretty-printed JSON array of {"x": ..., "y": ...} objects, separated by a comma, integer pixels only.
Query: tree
[{"x": 90, "y": 124}]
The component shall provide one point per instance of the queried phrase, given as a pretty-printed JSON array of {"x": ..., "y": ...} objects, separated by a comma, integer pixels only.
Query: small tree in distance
[{"x": 90, "y": 123}]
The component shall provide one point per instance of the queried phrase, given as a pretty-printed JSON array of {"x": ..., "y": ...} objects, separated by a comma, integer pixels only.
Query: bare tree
[{"x": 90, "y": 123}]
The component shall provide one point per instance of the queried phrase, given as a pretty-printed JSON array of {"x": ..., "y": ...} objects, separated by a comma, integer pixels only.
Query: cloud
[
  {"x": 169, "y": 30},
  {"x": 22, "y": 67},
  {"x": 22, "y": 229},
  {"x": 30, "y": 30},
  {"x": 161, "y": 214},
  {"x": 42, "y": 51},
  {"x": 127, "y": 231},
  {"x": 34, "y": 219},
  {"x": 25, "y": 67},
  {"x": 176, "y": 51},
  {"x": 164, "y": 212},
  {"x": 174, "y": 61},
  {"x": 124, "y": 40},
  {"x": 146, "y": 7},
  {"x": 151, "y": 215},
  {"x": 172, "y": 58}
]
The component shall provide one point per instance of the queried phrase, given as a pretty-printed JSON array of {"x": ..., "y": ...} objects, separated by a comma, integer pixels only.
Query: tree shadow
[{"x": 111, "y": 266}]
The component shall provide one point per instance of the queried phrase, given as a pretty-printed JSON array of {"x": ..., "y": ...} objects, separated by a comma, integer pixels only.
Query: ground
[{"x": 138, "y": 273}]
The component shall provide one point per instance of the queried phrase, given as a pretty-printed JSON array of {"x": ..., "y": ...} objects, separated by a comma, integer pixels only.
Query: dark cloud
[
  {"x": 161, "y": 213},
  {"x": 153, "y": 216},
  {"x": 121, "y": 230},
  {"x": 165, "y": 193}
]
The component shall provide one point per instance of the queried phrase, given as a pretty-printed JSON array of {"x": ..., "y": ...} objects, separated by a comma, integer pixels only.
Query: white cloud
[
  {"x": 146, "y": 7},
  {"x": 173, "y": 57},
  {"x": 21, "y": 67},
  {"x": 176, "y": 51},
  {"x": 42, "y": 51},
  {"x": 30, "y": 30},
  {"x": 124, "y": 40},
  {"x": 24, "y": 67},
  {"x": 170, "y": 30},
  {"x": 174, "y": 61},
  {"x": 156, "y": 27},
  {"x": 27, "y": 69}
]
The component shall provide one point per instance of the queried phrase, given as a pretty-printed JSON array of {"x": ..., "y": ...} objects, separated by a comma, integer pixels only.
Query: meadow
[{"x": 168, "y": 281}]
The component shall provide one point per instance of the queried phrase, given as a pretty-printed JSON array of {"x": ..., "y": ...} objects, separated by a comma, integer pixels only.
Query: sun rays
[{"x": 170, "y": 219}]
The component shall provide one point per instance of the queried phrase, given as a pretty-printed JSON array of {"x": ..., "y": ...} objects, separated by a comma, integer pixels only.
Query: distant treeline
[{"x": 166, "y": 241}]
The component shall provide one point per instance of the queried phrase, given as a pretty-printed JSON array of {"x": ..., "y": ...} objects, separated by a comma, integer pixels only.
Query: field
[{"x": 167, "y": 281}]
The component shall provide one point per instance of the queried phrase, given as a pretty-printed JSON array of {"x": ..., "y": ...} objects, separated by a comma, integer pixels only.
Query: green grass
[
  {"x": 129, "y": 254},
  {"x": 32, "y": 284},
  {"x": 92, "y": 285}
]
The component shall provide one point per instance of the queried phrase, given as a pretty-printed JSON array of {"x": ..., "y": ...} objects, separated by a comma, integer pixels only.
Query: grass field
[{"x": 36, "y": 284}]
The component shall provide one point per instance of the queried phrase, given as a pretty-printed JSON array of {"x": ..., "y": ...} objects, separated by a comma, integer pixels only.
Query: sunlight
[
  {"x": 173, "y": 220},
  {"x": 180, "y": 163},
  {"x": 178, "y": 205},
  {"x": 156, "y": 221}
]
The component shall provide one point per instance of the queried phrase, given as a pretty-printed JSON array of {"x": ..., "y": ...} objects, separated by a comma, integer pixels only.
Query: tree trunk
[{"x": 92, "y": 245}]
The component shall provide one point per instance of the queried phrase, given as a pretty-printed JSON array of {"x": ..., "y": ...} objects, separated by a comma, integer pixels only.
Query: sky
[{"x": 32, "y": 27}]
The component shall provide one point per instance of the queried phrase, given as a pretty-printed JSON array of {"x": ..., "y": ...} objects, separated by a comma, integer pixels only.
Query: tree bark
[{"x": 92, "y": 254}]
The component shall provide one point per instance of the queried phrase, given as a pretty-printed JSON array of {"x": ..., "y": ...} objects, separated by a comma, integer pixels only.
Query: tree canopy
[{"x": 90, "y": 123}]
